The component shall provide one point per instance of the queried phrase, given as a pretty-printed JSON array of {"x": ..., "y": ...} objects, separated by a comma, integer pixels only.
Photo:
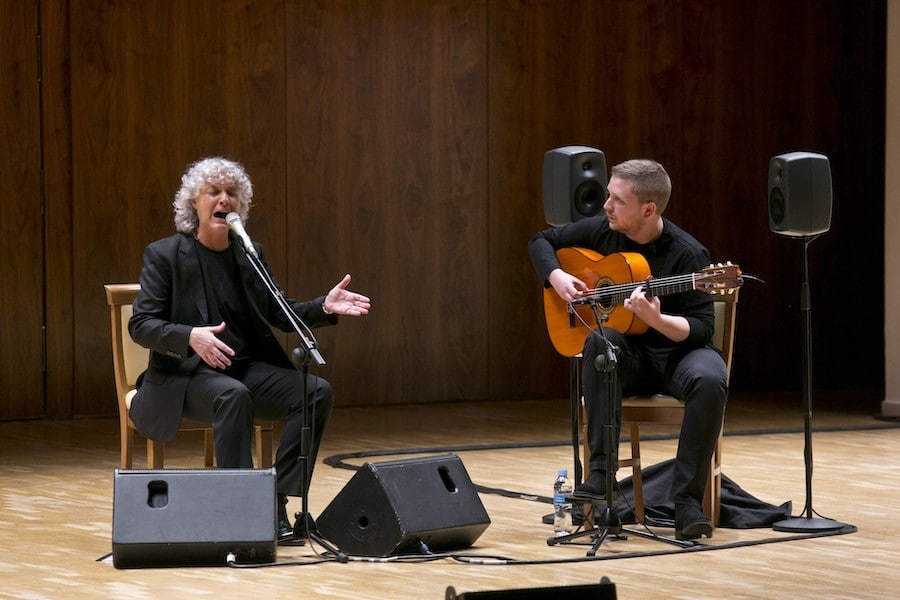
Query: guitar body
[{"x": 567, "y": 331}]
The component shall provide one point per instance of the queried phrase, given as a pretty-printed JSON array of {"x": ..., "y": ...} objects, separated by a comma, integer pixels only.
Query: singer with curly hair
[{"x": 205, "y": 315}]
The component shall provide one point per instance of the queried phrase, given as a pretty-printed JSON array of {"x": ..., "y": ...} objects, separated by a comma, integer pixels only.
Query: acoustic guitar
[{"x": 613, "y": 278}]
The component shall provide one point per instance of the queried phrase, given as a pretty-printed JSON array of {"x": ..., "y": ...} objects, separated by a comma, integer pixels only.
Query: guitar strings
[{"x": 618, "y": 292}]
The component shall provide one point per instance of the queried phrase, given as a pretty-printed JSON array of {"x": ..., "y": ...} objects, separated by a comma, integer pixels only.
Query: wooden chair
[
  {"x": 129, "y": 361},
  {"x": 660, "y": 409}
]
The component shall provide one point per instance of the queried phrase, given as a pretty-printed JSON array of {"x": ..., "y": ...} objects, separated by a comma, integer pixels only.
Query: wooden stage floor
[{"x": 57, "y": 504}]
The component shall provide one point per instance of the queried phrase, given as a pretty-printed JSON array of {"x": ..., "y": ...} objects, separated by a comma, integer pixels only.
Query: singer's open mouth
[{"x": 220, "y": 214}]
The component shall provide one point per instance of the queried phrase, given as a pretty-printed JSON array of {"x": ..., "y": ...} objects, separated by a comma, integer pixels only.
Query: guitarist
[{"x": 674, "y": 356}]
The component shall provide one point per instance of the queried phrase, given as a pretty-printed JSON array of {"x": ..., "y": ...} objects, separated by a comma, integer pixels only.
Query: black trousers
[
  {"x": 264, "y": 392},
  {"x": 697, "y": 376}
]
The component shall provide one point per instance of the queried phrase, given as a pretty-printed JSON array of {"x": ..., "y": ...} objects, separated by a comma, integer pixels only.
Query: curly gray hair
[{"x": 214, "y": 169}]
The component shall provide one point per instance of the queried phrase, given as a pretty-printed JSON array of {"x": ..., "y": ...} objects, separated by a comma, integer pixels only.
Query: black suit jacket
[{"x": 171, "y": 302}]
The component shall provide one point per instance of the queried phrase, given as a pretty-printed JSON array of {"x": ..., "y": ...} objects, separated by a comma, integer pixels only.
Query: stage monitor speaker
[
  {"x": 574, "y": 184},
  {"x": 799, "y": 194},
  {"x": 193, "y": 517},
  {"x": 605, "y": 590},
  {"x": 399, "y": 506}
]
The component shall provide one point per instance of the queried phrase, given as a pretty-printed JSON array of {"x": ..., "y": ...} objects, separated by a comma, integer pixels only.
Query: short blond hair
[{"x": 649, "y": 181}]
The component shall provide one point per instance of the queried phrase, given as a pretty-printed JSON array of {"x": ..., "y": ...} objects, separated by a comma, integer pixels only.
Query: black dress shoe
[
  {"x": 691, "y": 523},
  {"x": 304, "y": 525},
  {"x": 593, "y": 488},
  {"x": 594, "y": 485},
  {"x": 285, "y": 529}
]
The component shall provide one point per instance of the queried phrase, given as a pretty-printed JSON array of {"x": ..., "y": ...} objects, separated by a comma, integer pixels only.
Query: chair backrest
[
  {"x": 129, "y": 358},
  {"x": 723, "y": 335}
]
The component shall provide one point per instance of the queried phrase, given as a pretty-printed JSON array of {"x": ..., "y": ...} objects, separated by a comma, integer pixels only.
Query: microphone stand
[
  {"x": 608, "y": 522},
  {"x": 301, "y": 356}
]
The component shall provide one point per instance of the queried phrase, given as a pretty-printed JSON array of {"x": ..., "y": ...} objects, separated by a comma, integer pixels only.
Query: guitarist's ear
[{"x": 649, "y": 209}]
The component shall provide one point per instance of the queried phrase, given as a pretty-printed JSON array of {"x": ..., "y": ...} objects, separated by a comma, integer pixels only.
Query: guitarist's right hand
[{"x": 566, "y": 285}]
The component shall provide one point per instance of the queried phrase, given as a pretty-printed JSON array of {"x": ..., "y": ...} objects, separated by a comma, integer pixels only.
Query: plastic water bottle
[{"x": 562, "y": 506}]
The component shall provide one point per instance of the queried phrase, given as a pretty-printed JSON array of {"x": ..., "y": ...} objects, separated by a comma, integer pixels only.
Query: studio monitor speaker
[
  {"x": 397, "y": 507},
  {"x": 574, "y": 184},
  {"x": 799, "y": 194},
  {"x": 188, "y": 517}
]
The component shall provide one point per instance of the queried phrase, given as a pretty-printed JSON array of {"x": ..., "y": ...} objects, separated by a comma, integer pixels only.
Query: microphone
[{"x": 237, "y": 226}]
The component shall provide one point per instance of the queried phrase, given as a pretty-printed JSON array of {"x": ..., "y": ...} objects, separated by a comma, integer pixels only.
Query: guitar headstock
[{"x": 719, "y": 279}]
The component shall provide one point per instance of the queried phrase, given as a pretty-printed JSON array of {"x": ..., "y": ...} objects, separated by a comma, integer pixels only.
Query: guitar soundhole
[{"x": 605, "y": 301}]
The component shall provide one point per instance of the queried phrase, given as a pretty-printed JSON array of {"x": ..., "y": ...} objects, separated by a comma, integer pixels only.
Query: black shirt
[
  {"x": 674, "y": 252},
  {"x": 227, "y": 301}
]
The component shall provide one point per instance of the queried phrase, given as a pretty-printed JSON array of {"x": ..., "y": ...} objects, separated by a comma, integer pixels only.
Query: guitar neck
[{"x": 610, "y": 295}]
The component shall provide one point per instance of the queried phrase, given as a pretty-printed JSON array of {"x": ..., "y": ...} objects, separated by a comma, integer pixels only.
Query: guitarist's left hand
[{"x": 647, "y": 309}]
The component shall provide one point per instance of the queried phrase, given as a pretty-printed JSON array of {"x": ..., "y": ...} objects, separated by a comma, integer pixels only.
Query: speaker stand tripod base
[{"x": 807, "y": 524}]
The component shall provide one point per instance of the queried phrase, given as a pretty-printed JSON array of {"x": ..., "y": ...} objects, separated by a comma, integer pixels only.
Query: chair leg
[
  {"x": 126, "y": 455},
  {"x": 264, "y": 440},
  {"x": 712, "y": 495},
  {"x": 637, "y": 480},
  {"x": 585, "y": 448},
  {"x": 156, "y": 454},
  {"x": 717, "y": 485},
  {"x": 208, "y": 447}
]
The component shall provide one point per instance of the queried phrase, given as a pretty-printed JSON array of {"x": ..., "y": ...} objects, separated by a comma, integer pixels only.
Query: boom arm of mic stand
[{"x": 308, "y": 340}]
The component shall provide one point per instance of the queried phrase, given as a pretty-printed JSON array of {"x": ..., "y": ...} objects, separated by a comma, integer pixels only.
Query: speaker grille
[
  {"x": 589, "y": 199},
  {"x": 776, "y": 207}
]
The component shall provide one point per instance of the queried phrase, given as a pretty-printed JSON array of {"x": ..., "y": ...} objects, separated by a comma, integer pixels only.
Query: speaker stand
[{"x": 807, "y": 523}]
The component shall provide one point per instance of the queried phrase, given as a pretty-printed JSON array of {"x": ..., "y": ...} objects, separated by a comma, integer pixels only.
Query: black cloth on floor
[{"x": 739, "y": 510}]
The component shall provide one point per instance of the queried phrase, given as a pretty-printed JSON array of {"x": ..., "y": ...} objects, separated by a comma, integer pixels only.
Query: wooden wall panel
[
  {"x": 402, "y": 142},
  {"x": 599, "y": 74},
  {"x": 712, "y": 94},
  {"x": 155, "y": 86},
  {"x": 768, "y": 78},
  {"x": 21, "y": 236},
  {"x": 388, "y": 181},
  {"x": 56, "y": 142}
]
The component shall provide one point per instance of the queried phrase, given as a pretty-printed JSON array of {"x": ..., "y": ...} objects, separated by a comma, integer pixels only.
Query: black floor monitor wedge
[
  {"x": 406, "y": 507},
  {"x": 193, "y": 517}
]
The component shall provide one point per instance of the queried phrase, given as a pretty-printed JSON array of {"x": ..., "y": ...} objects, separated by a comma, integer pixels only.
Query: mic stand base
[
  {"x": 807, "y": 524},
  {"x": 602, "y": 521}
]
